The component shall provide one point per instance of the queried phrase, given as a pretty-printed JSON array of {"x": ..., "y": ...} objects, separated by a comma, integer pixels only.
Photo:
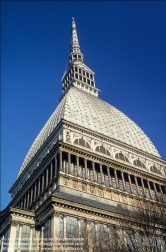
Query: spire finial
[
  {"x": 77, "y": 73},
  {"x": 75, "y": 51}
]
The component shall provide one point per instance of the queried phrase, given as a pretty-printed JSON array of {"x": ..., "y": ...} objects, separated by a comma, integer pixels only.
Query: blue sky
[{"x": 124, "y": 43}]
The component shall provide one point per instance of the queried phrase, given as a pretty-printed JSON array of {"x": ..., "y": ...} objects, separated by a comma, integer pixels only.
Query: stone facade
[{"x": 88, "y": 179}]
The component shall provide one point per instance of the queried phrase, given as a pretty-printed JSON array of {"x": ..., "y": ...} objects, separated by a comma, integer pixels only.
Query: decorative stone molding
[
  {"x": 83, "y": 186},
  {"x": 68, "y": 138},
  {"x": 65, "y": 181},
  {"x": 75, "y": 183},
  {"x": 111, "y": 142},
  {"x": 92, "y": 189},
  {"x": 113, "y": 150},
  {"x": 100, "y": 191}
]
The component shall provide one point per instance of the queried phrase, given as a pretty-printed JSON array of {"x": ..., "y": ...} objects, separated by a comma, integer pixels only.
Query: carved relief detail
[
  {"x": 92, "y": 189},
  {"x": 83, "y": 186},
  {"x": 68, "y": 136},
  {"x": 75, "y": 183},
  {"x": 65, "y": 181},
  {"x": 100, "y": 191}
]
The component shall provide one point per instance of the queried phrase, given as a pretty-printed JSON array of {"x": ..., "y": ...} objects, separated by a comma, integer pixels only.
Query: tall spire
[
  {"x": 75, "y": 51},
  {"x": 77, "y": 73}
]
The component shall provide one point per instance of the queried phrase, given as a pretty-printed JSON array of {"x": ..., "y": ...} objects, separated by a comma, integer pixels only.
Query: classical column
[
  {"x": 64, "y": 226},
  {"x": 86, "y": 169},
  {"x": 12, "y": 237},
  {"x": 60, "y": 160},
  {"x": 79, "y": 226},
  {"x": 109, "y": 177},
  {"x": 35, "y": 189},
  {"x": 129, "y": 178},
  {"x": 28, "y": 199},
  {"x": 109, "y": 232},
  {"x": 37, "y": 243},
  {"x": 136, "y": 182},
  {"x": 55, "y": 168},
  {"x": 122, "y": 175},
  {"x": 161, "y": 191},
  {"x": 94, "y": 172},
  {"x": 22, "y": 203},
  {"x": 149, "y": 189},
  {"x": 25, "y": 201},
  {"x": 116, "y": 179},
  {"x": 154, "y": 185},
  {"x": 101, "y": 173},
  {"x": 19, "y": 237},
  {"x": 41, "y": 239},
  {"x": 143, "y": 187},
  {"x": 96, "y": 231},
  {"x": 47, "y": 176},
  {"x": 69, "y": 162},
  {"x": 55, "y": 225},
  {"x": 31, "y": 197},
  {"x": 162, "y": 194},
  {"x": 51, "y": 170},
  {"x": 88, "y": 231},
  {"x": 77, "y": 164},
  {"x": 39, "y": 180},
  {"x": 64, "y": 165},
  {"x": 30, "y": 239},
  {"x": 42, "y": 181}
]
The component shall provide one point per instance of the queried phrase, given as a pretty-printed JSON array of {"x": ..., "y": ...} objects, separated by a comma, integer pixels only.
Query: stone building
[{"x": 91, "y": 173}]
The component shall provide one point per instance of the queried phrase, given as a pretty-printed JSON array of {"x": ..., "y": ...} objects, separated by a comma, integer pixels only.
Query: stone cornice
[
  {"x": 15, "y": 215},
  {"x": 59, "y": 205}
]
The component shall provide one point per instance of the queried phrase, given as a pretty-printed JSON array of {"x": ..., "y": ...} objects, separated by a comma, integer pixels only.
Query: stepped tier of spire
[
  {"x": 77, "y": 73},
  {"x": 75, "y": 51}
]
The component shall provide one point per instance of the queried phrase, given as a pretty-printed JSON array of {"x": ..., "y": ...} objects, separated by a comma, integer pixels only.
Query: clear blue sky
[{"x": 124, "y": 43}]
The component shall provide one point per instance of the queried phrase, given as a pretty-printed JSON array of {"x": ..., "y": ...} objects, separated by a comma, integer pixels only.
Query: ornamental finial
[{"x": 75, "y": 51}]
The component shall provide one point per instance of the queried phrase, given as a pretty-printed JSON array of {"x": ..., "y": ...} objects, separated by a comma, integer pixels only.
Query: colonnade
[
  {"x": 38, "y": 187},
  {"x": 94, "y": 171},
  {"x": 109, "y": 176}
]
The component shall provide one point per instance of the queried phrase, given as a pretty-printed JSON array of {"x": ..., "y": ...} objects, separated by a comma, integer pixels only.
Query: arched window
[
  {"x": 139, "y": 163},
  {"x": 155, "y": 169},
  {"x": 102, "y": 150},
  {"x": 82, "y": 142},
  {"x": 121, "y": 157}
]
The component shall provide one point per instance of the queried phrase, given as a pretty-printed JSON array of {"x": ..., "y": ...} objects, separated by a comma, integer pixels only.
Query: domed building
[{"x": 92, "y": 180}]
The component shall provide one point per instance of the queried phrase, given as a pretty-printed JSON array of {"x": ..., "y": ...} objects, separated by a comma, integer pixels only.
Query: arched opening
[
  {"x": 102, "y": 150},
  {"x": 139, "y": 163},
  {"x": 155, "y": 170},
  {"x": 121, "y": 157},
  {"x": 82, "y": 142}
]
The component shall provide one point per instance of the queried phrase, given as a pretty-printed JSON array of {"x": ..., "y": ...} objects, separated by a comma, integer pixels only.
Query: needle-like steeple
[
  {"x": 77, "y": 73},
  {"x": 75, "y": 51}
]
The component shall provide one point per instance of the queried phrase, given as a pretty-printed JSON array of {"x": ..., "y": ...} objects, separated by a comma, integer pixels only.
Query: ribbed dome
[{"x": 88, "y": 111}]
